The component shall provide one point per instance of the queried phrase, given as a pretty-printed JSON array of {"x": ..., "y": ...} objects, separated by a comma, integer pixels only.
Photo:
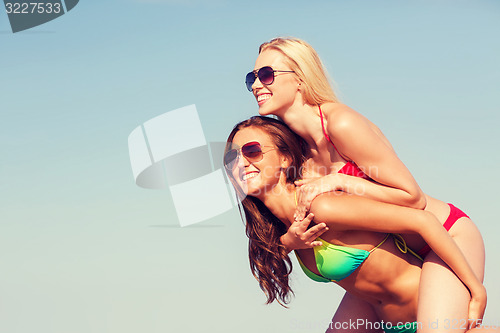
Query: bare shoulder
[{"x": 341, "y": 117}]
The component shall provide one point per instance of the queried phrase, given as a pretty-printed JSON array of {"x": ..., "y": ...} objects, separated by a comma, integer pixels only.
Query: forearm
[
  {"x": 379, "y": 192},
  {"x": 347, "y": 212}
]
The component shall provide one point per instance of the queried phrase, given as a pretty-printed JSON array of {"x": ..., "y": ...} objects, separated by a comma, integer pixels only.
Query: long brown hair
[{"x": 269, "y": 261}]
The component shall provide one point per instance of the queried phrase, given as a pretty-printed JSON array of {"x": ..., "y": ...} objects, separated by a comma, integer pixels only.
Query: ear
[{"x": 285, "y": 162}]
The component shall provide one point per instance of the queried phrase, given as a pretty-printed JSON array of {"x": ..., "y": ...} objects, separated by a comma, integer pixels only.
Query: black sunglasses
[
  {"x": 265, "y": 75},
  {"x": 251, "y": 150}
]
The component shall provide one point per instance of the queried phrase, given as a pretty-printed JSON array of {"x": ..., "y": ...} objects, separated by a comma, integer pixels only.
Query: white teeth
[
  {"x": 263, "y": 97},
  {"x": 250, "y": 175}
]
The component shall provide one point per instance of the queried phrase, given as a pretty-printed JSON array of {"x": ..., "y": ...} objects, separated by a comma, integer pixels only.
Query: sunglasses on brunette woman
[
  {"x": 251, "y": 150},
  {"x": 265, "y": 75}
]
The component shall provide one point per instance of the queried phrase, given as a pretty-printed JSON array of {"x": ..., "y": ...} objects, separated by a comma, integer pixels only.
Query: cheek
[
  {"x": 234, "y": 174},
  {"x": 272, "y": 173},
  {"x": 239, "y": 185},
  {"x": 287, "y": 92},
  {"x": 236, "y": 177}
]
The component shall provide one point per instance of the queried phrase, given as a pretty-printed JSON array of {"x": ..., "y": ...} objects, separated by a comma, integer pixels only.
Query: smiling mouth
[
  {"x": 263, "y": 97},
  {"x": 250, "y": 175}
]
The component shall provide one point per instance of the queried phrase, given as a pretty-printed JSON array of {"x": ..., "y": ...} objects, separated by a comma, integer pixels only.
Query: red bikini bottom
[{"x": 455, "y": 214}]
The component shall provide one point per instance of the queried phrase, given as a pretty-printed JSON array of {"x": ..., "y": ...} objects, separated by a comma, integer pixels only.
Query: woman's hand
[
  {"x": 477, "y": 306},
  {"x": 309, "y": 189},
  {"x": 299, "y": 237}
]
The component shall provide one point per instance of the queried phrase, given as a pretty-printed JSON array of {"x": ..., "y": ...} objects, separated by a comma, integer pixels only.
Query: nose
[
  {"x": 256, "y": 84},
  {"x": 243, "y": 162}
]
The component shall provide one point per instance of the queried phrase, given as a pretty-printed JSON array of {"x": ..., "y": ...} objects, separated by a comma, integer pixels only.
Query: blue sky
[{"x": 83, "y": 249}]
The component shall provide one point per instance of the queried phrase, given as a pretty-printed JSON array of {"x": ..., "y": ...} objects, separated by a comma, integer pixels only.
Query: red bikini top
[{"x": 350, "y": 168}]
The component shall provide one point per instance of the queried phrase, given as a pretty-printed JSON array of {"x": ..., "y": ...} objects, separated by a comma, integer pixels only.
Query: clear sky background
[{"x": 83, "y": 249}]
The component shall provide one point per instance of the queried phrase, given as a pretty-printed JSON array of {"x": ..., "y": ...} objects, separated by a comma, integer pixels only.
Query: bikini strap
[
  {"x": 326, "y": 134},
  {"x": 401, "y": 245},
  {"x": 323, "y": 126},
  {"x": 380, "y": 244}
]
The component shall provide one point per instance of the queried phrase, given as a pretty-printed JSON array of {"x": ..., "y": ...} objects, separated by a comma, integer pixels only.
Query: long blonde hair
[{"x": 305, "y": 62}]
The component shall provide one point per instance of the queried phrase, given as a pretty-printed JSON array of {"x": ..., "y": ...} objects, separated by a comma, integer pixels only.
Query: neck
[
  {"x": 281, "y": 202},
  {"x": 304, "y": 119}
]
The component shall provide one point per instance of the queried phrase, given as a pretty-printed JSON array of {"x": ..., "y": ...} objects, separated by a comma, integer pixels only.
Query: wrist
[
  {"x": 283, "y": 241},
  {"x": 477, "y": 291},
  {"x": 333, "y": 182}
]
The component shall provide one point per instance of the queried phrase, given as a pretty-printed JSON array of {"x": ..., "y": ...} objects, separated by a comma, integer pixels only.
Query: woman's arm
[
  {"x": 341, "y": 211},
  {"x": 358, "y": 140}
]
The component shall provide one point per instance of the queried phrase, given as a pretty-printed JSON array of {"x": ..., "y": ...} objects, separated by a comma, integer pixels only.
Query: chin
[
  {"x": 242, "y": 192},
  {"x": 254, "y": 190},
  {"x": 263, "y": 111}
]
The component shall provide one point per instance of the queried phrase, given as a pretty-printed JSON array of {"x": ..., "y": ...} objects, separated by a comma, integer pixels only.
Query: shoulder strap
[
  {"x": 324, "y": 130},
  {"x": 326, "y": 134}
]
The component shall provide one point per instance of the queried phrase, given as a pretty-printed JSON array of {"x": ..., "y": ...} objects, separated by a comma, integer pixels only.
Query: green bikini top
[{"x": 336, "y": 262}]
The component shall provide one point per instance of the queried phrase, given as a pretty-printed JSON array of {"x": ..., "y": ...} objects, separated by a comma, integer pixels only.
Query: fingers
[
  {"x": 304, "y": 221},
  {"x": 300, "y": 213},
  {"x": 307, "y": 221},
  {"x": 313, "y": 233},
  {"x": 304, "y": 238},
  {"x": 309, "y": 217},
  {"x": 318, "y": 230},
  {"x": 300, "y": 210},
  {"x": 305, "y": 195},
  {"x": 473, "y": 323},
  {"x": 476, "y": 313}
]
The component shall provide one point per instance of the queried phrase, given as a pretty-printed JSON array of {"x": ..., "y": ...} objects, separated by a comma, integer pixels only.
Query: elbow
[
  {"x": 427, "y": 223},
  {"x": 417, "y": 200}
]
